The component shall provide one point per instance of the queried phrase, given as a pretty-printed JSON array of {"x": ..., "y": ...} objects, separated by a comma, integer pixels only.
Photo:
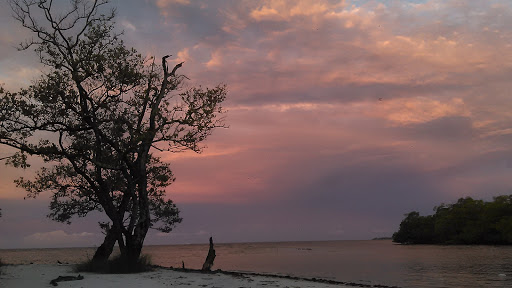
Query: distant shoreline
[{"x": 205, "y": 243}]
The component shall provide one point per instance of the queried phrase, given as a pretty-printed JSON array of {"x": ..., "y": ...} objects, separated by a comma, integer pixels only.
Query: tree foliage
[
  {"x": 98, "y": 117},
  {"x": 467, "y": 221}
]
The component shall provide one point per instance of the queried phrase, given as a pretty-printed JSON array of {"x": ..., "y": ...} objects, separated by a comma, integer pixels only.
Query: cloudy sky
[{"x": 343, "y": 115}]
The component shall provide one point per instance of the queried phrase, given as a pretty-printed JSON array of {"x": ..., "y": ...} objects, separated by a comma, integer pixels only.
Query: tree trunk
[
  {"x": 135, "y": 240},
  {"x": 208, "y": 263},
  {"x": 133, "y": 249},
  {"x": 105, "y": 249}
]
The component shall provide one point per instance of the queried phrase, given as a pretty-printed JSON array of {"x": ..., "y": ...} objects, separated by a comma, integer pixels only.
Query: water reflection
[{"x": 369, "y": 262}]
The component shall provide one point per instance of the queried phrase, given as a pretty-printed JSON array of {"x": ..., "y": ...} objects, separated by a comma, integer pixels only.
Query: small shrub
[
  {"x": 117, "y": 265},
  {"x": 91, "y": 266},
  {"x": 121, "y": 265}
]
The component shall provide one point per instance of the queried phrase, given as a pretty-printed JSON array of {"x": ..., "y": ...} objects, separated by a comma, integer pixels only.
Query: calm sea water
[{"x": 368, "y": 262}]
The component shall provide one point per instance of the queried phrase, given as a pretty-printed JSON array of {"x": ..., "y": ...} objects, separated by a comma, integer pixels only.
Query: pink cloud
[{"x": 332, "y": 103}]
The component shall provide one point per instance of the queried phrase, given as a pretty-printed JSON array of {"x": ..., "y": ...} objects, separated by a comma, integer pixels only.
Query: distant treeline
[{"x": 466, "y": 222}]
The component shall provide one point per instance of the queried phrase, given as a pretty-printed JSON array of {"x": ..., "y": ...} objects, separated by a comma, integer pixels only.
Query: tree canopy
[
  {"x": 467, "y": 221},
  {"x": 98, "y": 117}
]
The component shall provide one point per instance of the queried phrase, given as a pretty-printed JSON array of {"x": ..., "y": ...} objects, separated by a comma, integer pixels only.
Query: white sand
[{"x": 40, "y": 275}]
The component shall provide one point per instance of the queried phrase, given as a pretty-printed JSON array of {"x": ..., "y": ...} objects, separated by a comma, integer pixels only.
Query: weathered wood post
[{"x": 208, "y": 263}]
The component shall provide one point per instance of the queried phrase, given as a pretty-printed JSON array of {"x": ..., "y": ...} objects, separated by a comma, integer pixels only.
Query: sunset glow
[{"x": 342, "y": 115}]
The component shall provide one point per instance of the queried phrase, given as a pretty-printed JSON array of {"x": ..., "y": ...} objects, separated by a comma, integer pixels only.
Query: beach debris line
[
  {"x": 248, "y": 275},
  {"x": 66, "y": 278},
  {"x": 208, "y": 263}
]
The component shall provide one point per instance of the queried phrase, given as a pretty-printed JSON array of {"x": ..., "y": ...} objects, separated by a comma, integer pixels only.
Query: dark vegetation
[
  {"x": 116, "y": 265},
  {"x": 468, "y": 221},
  {"x": 99, "y": 117}
]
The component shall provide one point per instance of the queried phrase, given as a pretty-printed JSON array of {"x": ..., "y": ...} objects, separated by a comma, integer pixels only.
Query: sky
[{"x": 343, "y": 116}]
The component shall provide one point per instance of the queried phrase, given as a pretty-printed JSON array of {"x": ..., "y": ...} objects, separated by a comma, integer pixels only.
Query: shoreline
[
  {"x": 202, "y": 244},
  {"x": 256, "y": 274},
  {"x": 40, "y": 275}
]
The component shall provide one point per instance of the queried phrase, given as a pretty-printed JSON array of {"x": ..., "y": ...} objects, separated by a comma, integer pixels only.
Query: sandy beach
[{"x": 40, "y": 275}]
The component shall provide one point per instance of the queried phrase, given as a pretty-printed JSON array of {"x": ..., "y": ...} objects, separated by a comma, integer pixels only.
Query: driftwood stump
[
  {"x": 66, "y": 278},
  {"x": 208, "y": 263}
]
